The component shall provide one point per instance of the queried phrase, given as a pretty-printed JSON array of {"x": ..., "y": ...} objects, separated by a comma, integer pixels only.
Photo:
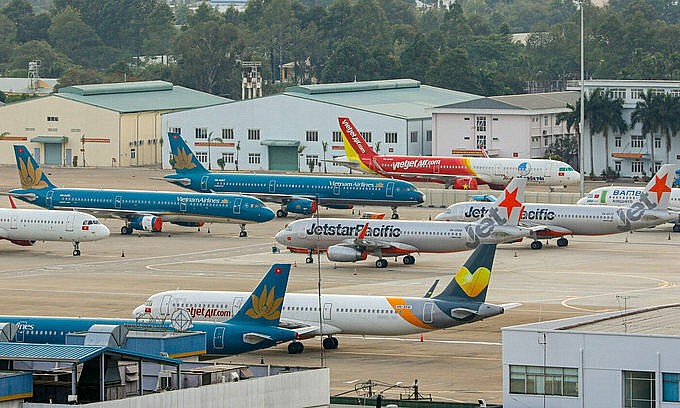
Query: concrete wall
[{"x": 442, "y": 198}]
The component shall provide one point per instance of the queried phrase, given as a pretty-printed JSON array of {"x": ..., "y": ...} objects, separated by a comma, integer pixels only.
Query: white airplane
[
  {"x": 625, "y": 195},
  {"x": 461, "y": 302},
  {"x": 26, "y": 226},
  {"x": 347, "y": 240},
  {"x": 557, "y": 220}
]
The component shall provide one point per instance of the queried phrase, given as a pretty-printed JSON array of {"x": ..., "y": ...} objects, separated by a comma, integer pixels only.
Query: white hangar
[{"x": 291, "y": 130}]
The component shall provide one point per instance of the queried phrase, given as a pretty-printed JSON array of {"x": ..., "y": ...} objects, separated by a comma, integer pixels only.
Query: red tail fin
[{"x": 355, "y": 145}]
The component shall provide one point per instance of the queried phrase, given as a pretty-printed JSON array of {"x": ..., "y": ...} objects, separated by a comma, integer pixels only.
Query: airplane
[
  {"x": 26, "y": 226},
  {"x": 625, "y": 195},
  {"x": 298, "y": 194},
  {"x": 346, "y": 240},
  {"x": 255, "y": 326},
  {"x": 495, "y": 172},
  {"x": 461, "y": 302},
  {"x": 558, "y": 220},
  {"x": 141, "y": 210}
]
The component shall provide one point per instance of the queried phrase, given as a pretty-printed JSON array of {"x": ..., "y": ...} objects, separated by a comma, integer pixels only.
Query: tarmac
[{"x": 113, "y": 276}]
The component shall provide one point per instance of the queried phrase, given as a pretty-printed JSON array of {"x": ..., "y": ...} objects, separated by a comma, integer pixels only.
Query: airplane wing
[
  {"x": 113, "y": 213},
  {"x": 372, "y": 245},
  {"x": 306, "y": 329},
  {"x": 354, "y": 165},
  {"x": 182, "y": 181}
]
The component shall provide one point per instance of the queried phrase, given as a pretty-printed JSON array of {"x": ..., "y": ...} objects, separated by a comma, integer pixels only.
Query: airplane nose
[
  {"x": 581, "y": 201},
  {"x": 440, "y": 217},
  {"x": 421, "y": 197},
  {"x": 267, "y": 214},
  {"x": 139, "y": 310},
  {"x": 281, "y": 237},
  {"x": 102, "y": 231}
]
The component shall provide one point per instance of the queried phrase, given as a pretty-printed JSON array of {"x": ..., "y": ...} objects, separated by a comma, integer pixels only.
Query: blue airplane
[
  {"x": 141, "y": 210},
  {"x": 254, "y": 327},
  {"x": 296, "y": 193}
]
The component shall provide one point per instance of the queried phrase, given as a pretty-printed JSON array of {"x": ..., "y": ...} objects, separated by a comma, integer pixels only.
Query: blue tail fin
[
  {"x": 263, "y": 307},
  {"x": 472, "y": 279},
  {"x": 30, "y": 173},
  {"x": 184, "y": 159}
]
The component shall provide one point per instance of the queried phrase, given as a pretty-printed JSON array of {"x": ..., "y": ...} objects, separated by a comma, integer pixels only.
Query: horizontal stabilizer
[{"x": 254, "y": 338}]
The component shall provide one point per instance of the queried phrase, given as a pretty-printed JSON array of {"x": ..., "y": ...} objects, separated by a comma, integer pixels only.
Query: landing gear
[
  {"x": 381, "y": 263},
  {"x": 282, "y": 213},
  {"x": 536, "y": 245},
  {"x": 562, "y": 242},
  {"x": 409, "y": 260},
  {"x": 76, "y": 248},
  {"x": 243, "y": 232},
  {"x": 330, "y": 343},
  {"x": 676, "y": 228},
  {"x": 395, "y": 216},
  {"x": 125, "y": 230},
  {"x": 295, "y": 347}
]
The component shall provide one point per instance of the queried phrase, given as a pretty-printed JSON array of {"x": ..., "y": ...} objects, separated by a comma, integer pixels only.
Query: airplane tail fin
[
  {"x": 472, "y": 279},
  {"x": 30, "y": 173},
  {"x": 263, "y": 307},
  {"x": 507, "y": 209},
  {"x": 184, "y": 160},
  {"x": 356, "y": 147},
  {"x": 657, "y": 193}
]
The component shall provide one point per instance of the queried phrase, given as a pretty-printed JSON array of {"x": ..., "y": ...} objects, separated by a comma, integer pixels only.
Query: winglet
[
  {"x": 657, "y": 193},
  {"x": 185, "y": 160},
  {"x": 11, "y": 201},
  {"x": 362, "y": 234},
  {"x": 472, "y": 279},
  {"x": 263, "y": 307},
  {"x": 30, "y": 173},
  {"x": 356, "y": 147},
  {"x": 507, "y": 209}
]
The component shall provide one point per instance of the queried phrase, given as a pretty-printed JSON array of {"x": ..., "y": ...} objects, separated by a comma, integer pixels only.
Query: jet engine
[
  {"x": 339, "y": 253},
  {"x": 301, "y": 206},
  {"x": 22, "y": 242},
  {"x": 147, "y": 223},
  {"x": 188, "y": 224}
]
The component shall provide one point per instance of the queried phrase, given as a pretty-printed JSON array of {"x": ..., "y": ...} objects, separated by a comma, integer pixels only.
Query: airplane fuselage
[
  {"x": 623, "y": 196},
  {"x": 221, "y": 338},
  {"x": 574, "y": 219},
  {"x": 48, "y": 225},
  {"x": 348, "y": 314}
]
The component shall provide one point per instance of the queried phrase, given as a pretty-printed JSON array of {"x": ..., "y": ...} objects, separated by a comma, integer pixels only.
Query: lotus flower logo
[
  {"x": 473, "y": 283},
  {"x": 265, "y": 306},
  {"x": 183, "y": 160},
  {"x": 31, "y": 178}
]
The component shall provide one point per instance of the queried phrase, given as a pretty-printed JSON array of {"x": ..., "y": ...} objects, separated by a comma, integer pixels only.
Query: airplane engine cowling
[
  {"x": 22, "y": 242},
  {"x": 188, "y": 224},
  {"x": 337, "y": 253},
  {"x": 147, "y": 223},
  {"x": 301, "y": 206}
]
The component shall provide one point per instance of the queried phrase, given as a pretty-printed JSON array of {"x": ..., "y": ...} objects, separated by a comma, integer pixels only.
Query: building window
[
  {"x": 657, "y": 143},
  {"x": 201, "y": 133},
  {"x": 481, "y": 123},
  {"x": 428, "y": 136},
  {"x": 368, "y": 136},
  {"x": 53, "y": 118},
  {"x": 546, "y": 121},
  {"x": 175, "y": 130},
  {"x": 52, "y": 129},
  {"x": 617, "y": 141},
  {"x": 540, "y": 380},
  {"x": 133, "y": 153},
  {"x": 228, "y": 158},
  {"x": 414, "y": 137},
  {"x": 390, "y": 137},
  {"x": 312, "y": 158},
  {"x": 636, "y": 166},
  {"x": 636, "y": 92},
  {"x": 675, "y": 92},
  {"x": 639, "y": 389},
  {"x": 254, "y": 134},
  {"x": 617, "y": 166},
  {"x": 618, "y": 93},
  {"x": 637, "y": 141},
  {"x": 481, "y": 141},
  {"x": 202, "y": 157},
  {"x": 337, "y": 137},
  {"x": 657, "y": 166},
  {"x": 546, "y": 141},
  {"x": 312, "y": 136},
  {"x": 254, "y": 158},
  {"x": 671, "y": 387},
  {"x": 228, "y": 134}
]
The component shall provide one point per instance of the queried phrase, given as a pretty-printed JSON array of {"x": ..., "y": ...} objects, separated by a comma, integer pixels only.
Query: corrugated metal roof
[
  {"x": 140, "y": 96},
  {"x": 654, "y": 321},
  {"x": 482, "y": 103},
  {"x": 404, "y": 98},
  {"x": 67, "y": 353},
  {"x": 552, "y": 100}
]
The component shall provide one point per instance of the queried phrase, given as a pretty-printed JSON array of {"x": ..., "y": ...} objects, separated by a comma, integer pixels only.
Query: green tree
[
  {"x": 454, "y": 70},
  {"x": 564, "y": 148},
  {"x": 669, "y": 119},
  {"x": 605, "y": 113},
  {"x": 648, "y": 113},
  {"x": 8, "y": 32},
  {"x": 69, "y": 35},
  {"x": 52, "y": 63},
  {"x": 572, "y": 118}
]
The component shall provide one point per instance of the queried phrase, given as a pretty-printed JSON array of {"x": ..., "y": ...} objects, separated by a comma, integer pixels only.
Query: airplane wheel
[
  {"x": 395, "y": 216},
  {"x": 381, "y": 263},
  {"x": 309, "y": 260},
  {"x": 243, "y": 234},
  {"x": 76, "y": 252},
  {"x": 295, "y": 347},
  {"x": 562, "y": 242},
  {"x": 328, "y": 343},
  {"x": 409, "y": 260},
  {"x": 676, "y": 228},
  {"x": 536, "y": 245},
  {"x": 125, "y": 230},
  {"x": 281, "y": 213},
  {"x": 335, "y": 342}
]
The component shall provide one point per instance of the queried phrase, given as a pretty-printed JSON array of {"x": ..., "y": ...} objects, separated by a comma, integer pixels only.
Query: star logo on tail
[
  {"x": 510, "y": 201},
  {"x": 660, "y": 186}
]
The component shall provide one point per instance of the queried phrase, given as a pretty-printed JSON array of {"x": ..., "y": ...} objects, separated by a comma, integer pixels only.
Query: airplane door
[
  {"x": 165, "y": 305},
  {"x": 237, "y": 206},
  {"x": 183, "y": 207},
  {"x": 218, "y": 338},
  {"x": 236, "y": 306},
  {"x": 272, "y": 186},
  {"x": 21, "y": 326},
  {"x": 428, "y": 312},
  {"x": 48, "y": 198},
  {"x": 437, "y": 165},
  {"x": 327, "y": 308},
  {"x": 548, "y": 171},
  {"x": 13, "y": 222},
  {"x": 390, "y": 189},
  {"x": 69, "y": 222},
  {"x": 204, "y": 183},
  {"x": 336, "y": 189},
  {"x": 118, "y": 202}
]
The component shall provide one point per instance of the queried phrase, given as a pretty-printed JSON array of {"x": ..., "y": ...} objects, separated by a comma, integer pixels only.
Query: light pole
[{"x": 581, "y": 150}]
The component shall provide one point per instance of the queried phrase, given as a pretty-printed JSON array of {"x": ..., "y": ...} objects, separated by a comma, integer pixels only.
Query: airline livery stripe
[{"x": 399, "y": 306}]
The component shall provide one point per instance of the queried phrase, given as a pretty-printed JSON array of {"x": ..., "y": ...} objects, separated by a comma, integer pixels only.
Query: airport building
[
  {"x": 96, "y": 125},
  {"x": 616, "y": 359},
  {"x": 299, "y": 128}
]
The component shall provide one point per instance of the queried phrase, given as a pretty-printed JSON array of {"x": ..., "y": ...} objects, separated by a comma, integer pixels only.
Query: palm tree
[
  {"x": 648, "y": 113},
  {"x": 605, "y": 113},
  {"x": 573, "y": 120},
  {"x": 669, "y": 108},
  {"x": 300, "y": 149},
  {"x": 238, "y": 149},
  {"x": 324, "y": 146}
]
